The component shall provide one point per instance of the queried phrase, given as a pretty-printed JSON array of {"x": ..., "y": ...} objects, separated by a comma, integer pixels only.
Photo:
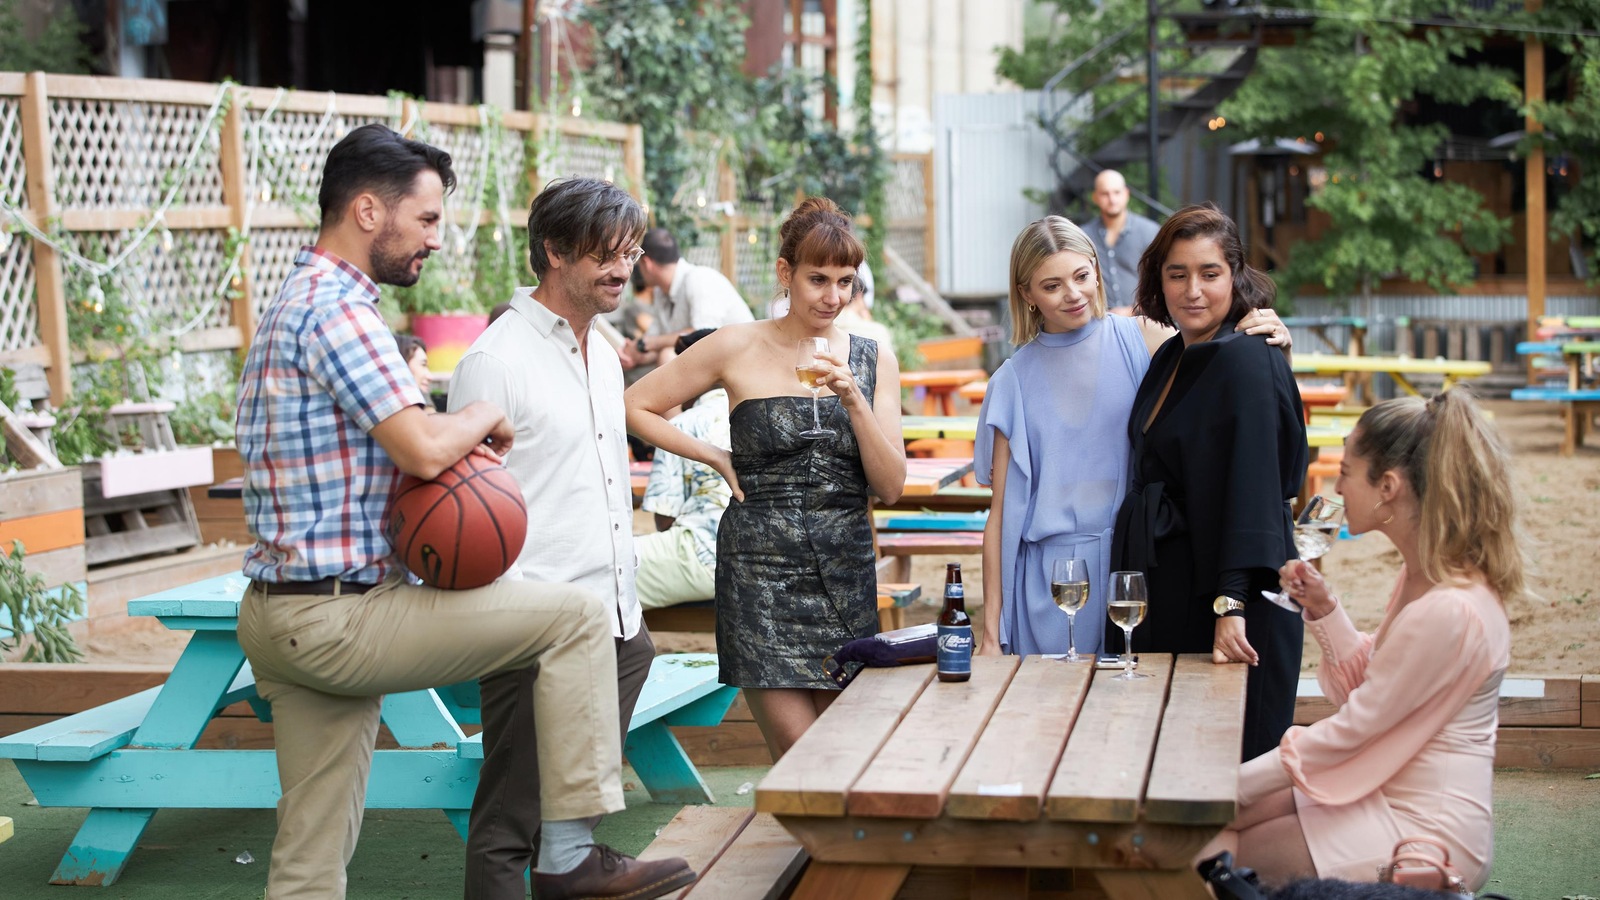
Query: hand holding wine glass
[
  {"x": 1069, "y": 588},
  {"x": 1314, "y": 534},
  {"x": 812, "y": 371},
  {"x": 1129, "y": 601}
]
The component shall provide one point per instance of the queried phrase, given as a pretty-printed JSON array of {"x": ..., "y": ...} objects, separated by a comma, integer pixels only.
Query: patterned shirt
[
  {"x": 322, "y": 372},
  {"x": 692, "y": 492}
]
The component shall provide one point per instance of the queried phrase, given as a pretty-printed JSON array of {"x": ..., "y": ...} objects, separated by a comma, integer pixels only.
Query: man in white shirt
[
  {"x": 560, "y": 385},
  {"x": 687, "y": 298}
]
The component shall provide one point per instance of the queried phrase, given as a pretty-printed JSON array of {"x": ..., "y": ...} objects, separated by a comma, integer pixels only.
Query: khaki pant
[
  {"x": 670, "y": 571},
  {"x": 503, "y": 832},
  {"x": 325, "y": 662}
]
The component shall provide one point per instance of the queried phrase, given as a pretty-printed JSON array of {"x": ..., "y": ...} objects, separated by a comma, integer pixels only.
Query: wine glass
[
  {"x": 1127, "y": 607},
  {"x": 1069, "y": 588},
  {"x": 1314, "y": 534},
  {"x": 812, "y": 376}
]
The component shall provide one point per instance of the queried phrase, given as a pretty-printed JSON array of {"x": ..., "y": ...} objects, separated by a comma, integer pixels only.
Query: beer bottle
[{"x": 955, "y": 629}]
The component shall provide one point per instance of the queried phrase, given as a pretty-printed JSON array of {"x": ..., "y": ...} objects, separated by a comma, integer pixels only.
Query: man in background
[
  {"x": 687, "y": 297},
  {"x": 678, "y": 563},
  {"x": 1119, "y": 238}
]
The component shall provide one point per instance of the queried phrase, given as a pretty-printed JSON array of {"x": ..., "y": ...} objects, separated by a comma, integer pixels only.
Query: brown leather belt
[{"x": 329, "y": 586}]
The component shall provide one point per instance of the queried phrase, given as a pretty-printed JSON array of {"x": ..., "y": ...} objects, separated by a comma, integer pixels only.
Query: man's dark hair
[
  {"x": 374, "y": 158},
  {"x": 579, "y": 216},
  {"x": 660, "y": 246}
]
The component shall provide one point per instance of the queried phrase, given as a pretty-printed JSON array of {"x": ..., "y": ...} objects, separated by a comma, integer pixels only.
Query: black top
[{"x": 1207, "y": 511}]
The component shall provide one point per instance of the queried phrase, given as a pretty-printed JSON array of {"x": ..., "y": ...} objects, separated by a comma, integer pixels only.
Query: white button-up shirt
[
  {"x": 570, "y": 453},
  {"x": 701, "y": 297}
]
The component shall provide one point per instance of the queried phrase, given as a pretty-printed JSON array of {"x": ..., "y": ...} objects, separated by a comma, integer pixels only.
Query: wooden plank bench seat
[
  {"x": 738, "y": 853},
  {"x": 1579, "y": 408},
  {"x": 897, "y": 547},
  {"x": 682, "y": 689}
]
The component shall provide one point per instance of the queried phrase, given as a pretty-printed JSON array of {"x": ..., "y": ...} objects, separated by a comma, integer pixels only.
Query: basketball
[{"x": 461, "y": 530}]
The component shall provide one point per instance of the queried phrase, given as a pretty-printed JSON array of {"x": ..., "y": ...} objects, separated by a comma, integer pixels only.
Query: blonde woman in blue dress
[{"x": 1053, "y": 438}]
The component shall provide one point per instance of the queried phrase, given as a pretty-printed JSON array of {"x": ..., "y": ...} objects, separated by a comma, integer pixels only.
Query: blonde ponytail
[{"x": 1459, "y": 468}]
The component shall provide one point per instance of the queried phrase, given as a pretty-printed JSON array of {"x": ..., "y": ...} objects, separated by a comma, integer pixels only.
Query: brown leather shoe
[{"x": 609, "y": 875}]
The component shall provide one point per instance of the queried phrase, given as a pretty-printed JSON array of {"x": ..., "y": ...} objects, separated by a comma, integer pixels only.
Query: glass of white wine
[
  {"x": 811, "y": 375},
  {"x": 1314, "y": 534},
  {"x": 1069, "y": 588},
  {"x": 1129, "y": 601}
]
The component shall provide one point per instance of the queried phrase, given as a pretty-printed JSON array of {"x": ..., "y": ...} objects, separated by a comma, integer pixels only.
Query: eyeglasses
[{"x": 606, "y": 259}]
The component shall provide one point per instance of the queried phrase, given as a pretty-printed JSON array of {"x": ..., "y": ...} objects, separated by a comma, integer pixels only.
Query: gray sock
[{"x": 564, "y": 845}]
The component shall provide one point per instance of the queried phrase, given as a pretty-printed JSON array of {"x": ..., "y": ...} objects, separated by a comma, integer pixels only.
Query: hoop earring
[{"x": 1378, "y": 506}]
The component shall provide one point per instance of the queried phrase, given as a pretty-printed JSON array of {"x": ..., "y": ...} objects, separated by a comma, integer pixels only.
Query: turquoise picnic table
[{"x": 129, "y": 758}]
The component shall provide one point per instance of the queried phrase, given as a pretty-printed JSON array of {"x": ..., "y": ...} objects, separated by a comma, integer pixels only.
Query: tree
[
  {"x": 1572, "y": 123},
  {"x": 57, "y": 47},
  {"x": 1349, "y": 78}
]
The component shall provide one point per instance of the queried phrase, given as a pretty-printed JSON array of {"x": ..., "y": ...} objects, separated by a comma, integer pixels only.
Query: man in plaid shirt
[{"x": 329, "y": 416}]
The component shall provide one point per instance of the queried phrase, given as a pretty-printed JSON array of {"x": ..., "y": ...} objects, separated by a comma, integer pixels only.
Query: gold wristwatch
[{"x": 1225, "y": 604}]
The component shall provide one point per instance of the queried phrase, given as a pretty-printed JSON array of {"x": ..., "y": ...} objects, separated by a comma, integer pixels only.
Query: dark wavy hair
[
  {"x": 1252, "y": 289},
  {"x": 374, "y": 158}
]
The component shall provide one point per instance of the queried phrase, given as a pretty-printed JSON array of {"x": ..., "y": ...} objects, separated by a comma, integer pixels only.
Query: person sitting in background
[
  {"x": 415, "y": 353},
  {"x": 1410, "y": 749},
  {"x": 686, "y": 297},
  {"x": 856, "y": 317},
  {"x": 678, "y": 563}
]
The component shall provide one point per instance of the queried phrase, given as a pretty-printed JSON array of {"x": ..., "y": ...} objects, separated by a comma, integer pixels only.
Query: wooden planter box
[
  {"x": 43, "y": 508},
  {"x": 138, "y": 504}
]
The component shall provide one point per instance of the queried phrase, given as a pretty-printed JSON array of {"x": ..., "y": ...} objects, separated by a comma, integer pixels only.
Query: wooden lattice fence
[{"x": 211, "y": 189}]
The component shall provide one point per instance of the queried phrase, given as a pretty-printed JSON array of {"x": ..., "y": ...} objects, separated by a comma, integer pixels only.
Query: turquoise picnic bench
[
  {"x": 129, "y": 758},
  {"x": 1579, "y": 408}
]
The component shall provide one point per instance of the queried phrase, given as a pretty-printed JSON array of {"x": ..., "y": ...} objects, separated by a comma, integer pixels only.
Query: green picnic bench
[{"x": 126, "y": 759}]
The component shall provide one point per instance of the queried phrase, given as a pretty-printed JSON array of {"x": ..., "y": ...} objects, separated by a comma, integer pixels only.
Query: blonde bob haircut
[{"x": 1037, "y": 243}]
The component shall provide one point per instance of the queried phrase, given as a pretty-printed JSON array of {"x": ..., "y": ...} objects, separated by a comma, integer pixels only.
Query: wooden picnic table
[
  {"x": 961, "y": 428},
  {"x": 925, "y": 477},
  {"x": 127, "y": 759},
  {"x": 1032, "y": 764},
  {"x": 939, "y": 386},
  {"x": 1396, "y": 367}
]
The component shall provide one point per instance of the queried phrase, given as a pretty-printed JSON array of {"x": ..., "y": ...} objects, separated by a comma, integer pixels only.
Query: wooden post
[
  {"x": 410, "y": 112},
  {"x": 633, "y": 161},
  {"x": 536, "y": 137},
  {"x": 726, "y": 190},
  {"x": 235, "y": 188},
  {"x": 49, "y": 282},
  {"x": 1537, "y": 228},
  {"x": 930, "y": 225}
]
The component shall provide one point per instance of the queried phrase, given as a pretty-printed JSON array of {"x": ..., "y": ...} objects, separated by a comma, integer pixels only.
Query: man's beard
[{"x": 391, "y": 264}]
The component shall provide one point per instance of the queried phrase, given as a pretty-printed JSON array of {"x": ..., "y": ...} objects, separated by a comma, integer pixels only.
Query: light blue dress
[{"x": 1063, "y": 401}]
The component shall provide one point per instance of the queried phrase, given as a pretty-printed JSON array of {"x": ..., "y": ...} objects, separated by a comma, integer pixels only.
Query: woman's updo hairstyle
[
  {"x": 1460, "y": 470},
  {"x": 818, "y": 233}
]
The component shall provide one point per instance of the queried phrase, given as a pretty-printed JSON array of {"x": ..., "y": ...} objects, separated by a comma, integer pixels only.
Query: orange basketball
[{"x": 461, "y": 530}]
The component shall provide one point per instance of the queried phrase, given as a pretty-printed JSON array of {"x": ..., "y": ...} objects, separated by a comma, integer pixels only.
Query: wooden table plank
[
  {"x": 1194, "y": 778},
  {"x": 813, "y": 778},
  {"x": 913, "y": 772},
  {"x": 830, "y": 881},
  {"x": 1102, "y": 774},
  {"x": 1010, "y": 770},
  {"x": 758, "y": 865},
  {"x": 1145, "y": 885}
]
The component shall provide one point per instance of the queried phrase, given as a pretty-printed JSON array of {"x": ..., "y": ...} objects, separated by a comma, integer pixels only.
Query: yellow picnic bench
[{"x": 1400, "y": 368}]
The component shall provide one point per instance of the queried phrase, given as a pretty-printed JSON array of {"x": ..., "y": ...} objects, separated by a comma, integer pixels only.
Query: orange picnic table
[
  {"x": 1321, "y": 396},
  {"x": 1033, "y": 764},
  {"x": 939, "y": 386}
]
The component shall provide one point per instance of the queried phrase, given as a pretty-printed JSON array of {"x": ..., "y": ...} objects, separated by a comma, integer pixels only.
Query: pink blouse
[{"x": 1410, "y": 749}]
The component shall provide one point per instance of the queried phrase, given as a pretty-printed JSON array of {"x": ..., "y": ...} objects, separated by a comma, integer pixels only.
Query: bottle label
[
  {"x": 955, "y": 591},
  {"x": 955, "y": 649}
]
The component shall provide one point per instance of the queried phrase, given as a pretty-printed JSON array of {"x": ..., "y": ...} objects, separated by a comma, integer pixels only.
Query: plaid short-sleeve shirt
[{"x": 322, "y": 371}]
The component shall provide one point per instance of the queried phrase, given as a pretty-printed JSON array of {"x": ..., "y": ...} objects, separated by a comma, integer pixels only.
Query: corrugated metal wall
[{"x": 988, "y": 150}]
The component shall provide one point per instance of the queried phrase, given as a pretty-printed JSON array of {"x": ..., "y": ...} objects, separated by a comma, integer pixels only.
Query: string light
[
  {"x": 577, "y": 107},
  {"x": 1319, "y": 137},
  {"x": 752, "y": 238},
  {"x": 266, "y": 194},
  {"x": 497, "y": 236},
  {"x": 97, "y": 298},
  {"x": 700, "y": 199}
]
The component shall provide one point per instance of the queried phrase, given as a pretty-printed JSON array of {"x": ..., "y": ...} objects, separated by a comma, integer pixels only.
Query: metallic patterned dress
[{"x": 795, "y": 575}]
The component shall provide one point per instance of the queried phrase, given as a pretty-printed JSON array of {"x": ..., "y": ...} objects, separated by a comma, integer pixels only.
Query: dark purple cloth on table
[{"x": 843, "y": 665}]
